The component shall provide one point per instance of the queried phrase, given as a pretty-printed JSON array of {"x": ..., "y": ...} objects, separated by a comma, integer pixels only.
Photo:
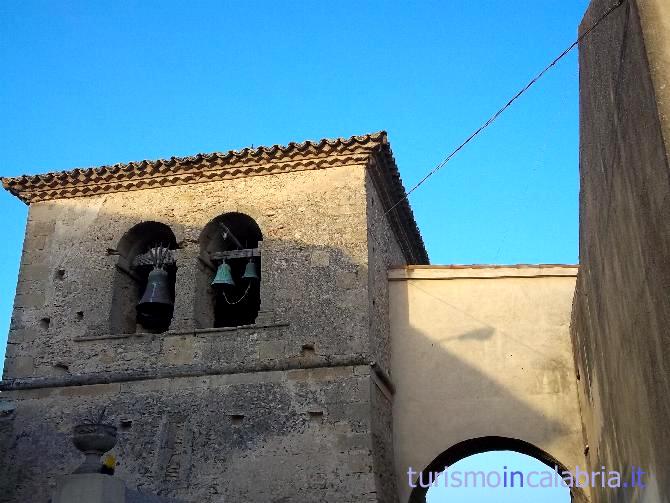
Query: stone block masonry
[{"x": 242, "y": 437}]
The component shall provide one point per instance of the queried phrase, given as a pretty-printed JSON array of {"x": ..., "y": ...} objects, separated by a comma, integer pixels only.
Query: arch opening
[
  {"x": 229, "y": 281},
  {"x": 429, "y": 487},
  {"x": 133, "y": 268}
]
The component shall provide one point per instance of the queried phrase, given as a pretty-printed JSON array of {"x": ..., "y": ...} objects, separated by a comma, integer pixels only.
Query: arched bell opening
[
  {"x": 144, "y": 282},
  {"x": 228, "y": 287},
  {"x": 472, "y": 447}
]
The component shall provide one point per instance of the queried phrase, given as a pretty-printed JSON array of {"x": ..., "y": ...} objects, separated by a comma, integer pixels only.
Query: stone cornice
[
  {"x": 248, "y": 162},
  {"x": 185, "y": 371}
]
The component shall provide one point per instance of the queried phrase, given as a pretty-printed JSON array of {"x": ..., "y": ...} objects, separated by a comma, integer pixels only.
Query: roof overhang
[{"x": 370, "y": 150}]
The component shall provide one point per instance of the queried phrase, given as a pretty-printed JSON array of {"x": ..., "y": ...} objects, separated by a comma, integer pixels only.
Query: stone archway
[{"x": 480, "y": 445}]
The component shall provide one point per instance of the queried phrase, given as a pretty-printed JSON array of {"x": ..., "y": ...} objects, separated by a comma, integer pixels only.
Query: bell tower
[{"x": 228, "y": 311}]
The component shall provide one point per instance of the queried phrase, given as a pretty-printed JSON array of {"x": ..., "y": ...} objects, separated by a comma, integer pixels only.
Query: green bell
[
  {"x": 223, "y": 276},
  {"x": 250, "y": 271}
]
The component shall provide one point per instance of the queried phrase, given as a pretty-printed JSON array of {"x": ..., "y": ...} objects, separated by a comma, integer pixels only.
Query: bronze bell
[
  {"x": 250, "y": 271},
  {"x": 156, "y": 306},
  {"x": 224, "y": 275}
]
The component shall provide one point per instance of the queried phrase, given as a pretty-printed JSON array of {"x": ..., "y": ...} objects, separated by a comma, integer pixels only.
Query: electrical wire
[{"x": 507, "y": 105}]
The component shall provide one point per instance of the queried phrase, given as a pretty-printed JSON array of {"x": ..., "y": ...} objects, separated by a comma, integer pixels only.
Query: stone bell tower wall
[
  {"x": 297, "y": 435},
  {"x": 314, "y": 275},
  {"x": 290, "y": 407},
  {"x": 384, "y": 252}
]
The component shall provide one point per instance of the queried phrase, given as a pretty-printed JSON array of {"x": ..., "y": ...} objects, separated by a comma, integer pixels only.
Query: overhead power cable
[{"x": 507, "y": 105}]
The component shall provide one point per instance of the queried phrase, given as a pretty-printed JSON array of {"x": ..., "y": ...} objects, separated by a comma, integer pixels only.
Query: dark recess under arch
[
  {"x": 229, "y": 306},
  {"x": 130, "y": 281}
]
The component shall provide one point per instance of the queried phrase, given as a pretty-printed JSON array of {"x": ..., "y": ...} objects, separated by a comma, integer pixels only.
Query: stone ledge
[
  {"x": 196, "y": 331},
  {"x": 322, "y": 367},
  {"x": 181, "y": 371}
]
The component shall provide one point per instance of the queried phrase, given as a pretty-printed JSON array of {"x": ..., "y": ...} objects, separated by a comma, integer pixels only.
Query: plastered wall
[
  {"x": 482, "y": 351},
  {"x": 621, "y": 314}
]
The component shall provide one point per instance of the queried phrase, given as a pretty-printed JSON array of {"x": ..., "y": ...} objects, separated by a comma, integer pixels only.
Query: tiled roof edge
[
  {"x": 175, "y": 170},
  {"x": 384, "y": 171},
  {"x": 217, "y": 166}
]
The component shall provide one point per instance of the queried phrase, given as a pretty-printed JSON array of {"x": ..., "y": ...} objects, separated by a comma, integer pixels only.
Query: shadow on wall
[
  {"x": 454, "y": 404},
  {"x": 478, "y": 334}
]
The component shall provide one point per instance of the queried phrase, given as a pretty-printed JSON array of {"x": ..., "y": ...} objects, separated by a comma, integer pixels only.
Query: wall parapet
[
  {"x": 481, "y": 271},
  {"x": 195, "y": 331}
]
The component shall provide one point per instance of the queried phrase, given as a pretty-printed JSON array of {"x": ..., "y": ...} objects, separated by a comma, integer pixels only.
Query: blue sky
[
  {"x": 498, "y": 467},
  {"x": 91, "y": 83}
]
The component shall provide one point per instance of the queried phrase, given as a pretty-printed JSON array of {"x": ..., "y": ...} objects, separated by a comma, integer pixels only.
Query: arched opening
[
  {"x": 228, "y": 287},
  {"x": 496, "y": 469},
  {"x": 144, "y": 247}
]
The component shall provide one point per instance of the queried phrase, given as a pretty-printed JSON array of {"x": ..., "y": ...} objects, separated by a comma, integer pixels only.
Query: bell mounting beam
[
  {"x": 230, "y": 254},
  {"x": 147, "y": 259}
]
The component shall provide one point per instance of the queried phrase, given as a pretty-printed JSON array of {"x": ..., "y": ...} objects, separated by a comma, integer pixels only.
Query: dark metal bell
[
  {"x": 250, "y": 271},
  {"x": 155, "y": 308}
]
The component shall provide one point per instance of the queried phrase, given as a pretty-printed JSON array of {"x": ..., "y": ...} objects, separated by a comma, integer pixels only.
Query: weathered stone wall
[
  {"x": 313, "y": 425},
  {"x": 314, "y": 266},
  {"x": 621, "y": 315},
  {"x": 383, "y": 252},
  {"x": 302, "y": 435}
]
